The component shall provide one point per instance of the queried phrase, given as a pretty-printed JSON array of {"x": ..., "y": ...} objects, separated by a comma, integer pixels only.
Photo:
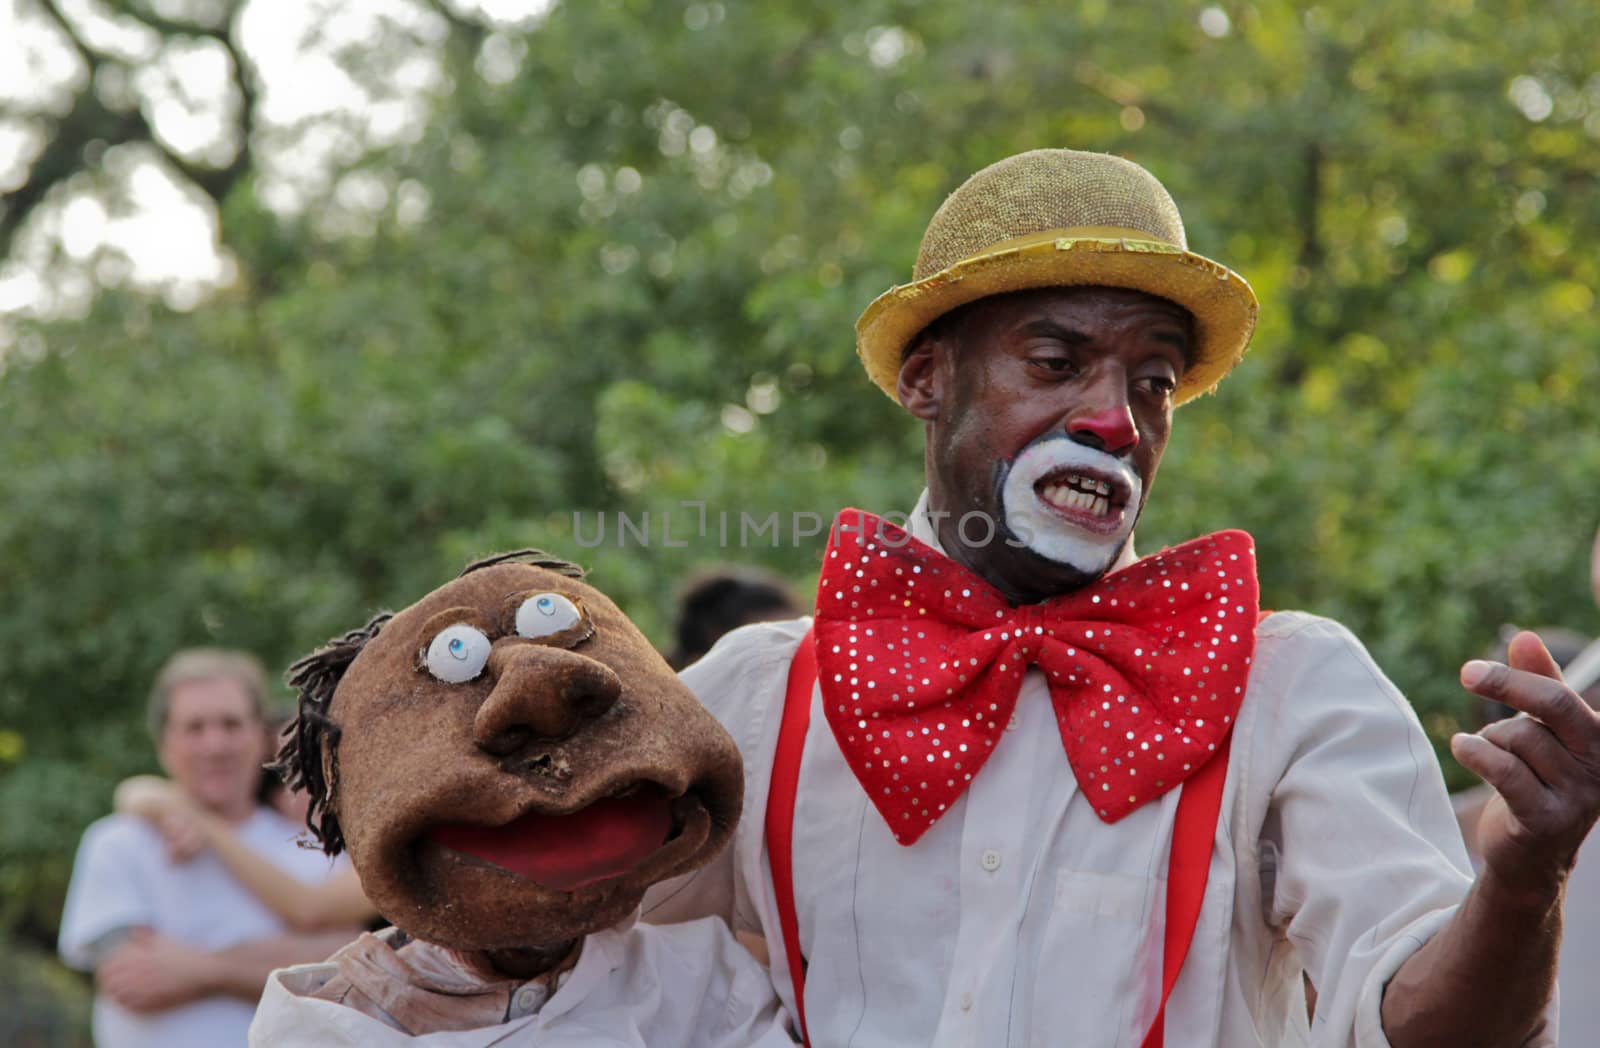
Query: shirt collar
[
  {"x": 603, "y": 953},
  {"x": 920, "y": 527},
  {"x": 429, "y": 988}
]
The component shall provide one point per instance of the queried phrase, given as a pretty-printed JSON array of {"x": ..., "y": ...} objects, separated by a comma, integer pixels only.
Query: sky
[{"x": 311, "y": 114}]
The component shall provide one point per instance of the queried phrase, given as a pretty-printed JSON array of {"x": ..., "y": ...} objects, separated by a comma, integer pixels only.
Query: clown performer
[
  {"x": 1014, "y": 785},
  {"x": 510, "y": 764}
]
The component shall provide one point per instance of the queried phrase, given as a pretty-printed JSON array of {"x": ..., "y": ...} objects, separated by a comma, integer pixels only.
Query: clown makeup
[{"x": 1069, "y": 503}]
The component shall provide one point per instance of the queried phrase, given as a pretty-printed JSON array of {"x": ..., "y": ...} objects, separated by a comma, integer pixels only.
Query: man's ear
[{"x": 921, "y": 383}]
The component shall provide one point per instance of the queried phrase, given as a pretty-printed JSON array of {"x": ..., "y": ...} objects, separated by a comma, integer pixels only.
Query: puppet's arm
[{"x": 337, "y": 902}]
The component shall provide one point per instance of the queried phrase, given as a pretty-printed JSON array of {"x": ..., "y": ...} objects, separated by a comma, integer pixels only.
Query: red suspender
[
  {"x": 1193, "y": 831},
  {"x": 780, "y": 811}
]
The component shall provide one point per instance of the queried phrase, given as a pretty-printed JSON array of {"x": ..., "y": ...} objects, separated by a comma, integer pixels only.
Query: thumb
[{"x": 1527, "y": 652}]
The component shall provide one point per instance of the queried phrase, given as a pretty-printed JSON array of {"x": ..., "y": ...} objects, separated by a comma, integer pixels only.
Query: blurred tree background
[{"x": 607, "y": 256}]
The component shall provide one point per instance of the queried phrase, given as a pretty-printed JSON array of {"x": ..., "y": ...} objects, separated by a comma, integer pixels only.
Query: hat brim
[{"x": 1221, "y": 302}]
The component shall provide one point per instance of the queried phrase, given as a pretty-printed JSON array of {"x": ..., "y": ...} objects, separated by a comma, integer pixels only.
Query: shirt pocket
[{"x": 1099, "y": 972}]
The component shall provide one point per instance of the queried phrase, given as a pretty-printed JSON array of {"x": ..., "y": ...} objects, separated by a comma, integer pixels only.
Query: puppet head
[{"x": 508, "y": 761}]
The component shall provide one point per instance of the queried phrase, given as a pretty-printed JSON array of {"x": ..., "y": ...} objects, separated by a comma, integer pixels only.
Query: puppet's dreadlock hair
[
  {"x": 312, "y": 735},
  {"x": 538, "y": 558}
]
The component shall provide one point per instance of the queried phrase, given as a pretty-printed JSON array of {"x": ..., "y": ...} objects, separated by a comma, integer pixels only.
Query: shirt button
[
  {"x": 1011, "y": 725},
  {"x": 526, "y": 1000},
  {"x": 966, "y": 1002},
  {"x": 990, "y": 860}
]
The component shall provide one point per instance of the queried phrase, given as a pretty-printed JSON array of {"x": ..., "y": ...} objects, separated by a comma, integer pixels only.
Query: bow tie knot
[{"x": 921, "y": 663}]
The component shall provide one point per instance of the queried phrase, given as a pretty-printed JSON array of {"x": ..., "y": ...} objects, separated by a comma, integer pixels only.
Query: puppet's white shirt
[
  {"x": 123, "y": 879},
  {"x": 1021, "y": 919},
  {"x": 687, "y": 986}
]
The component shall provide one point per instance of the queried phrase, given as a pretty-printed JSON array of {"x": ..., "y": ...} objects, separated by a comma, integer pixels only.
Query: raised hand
[
  {"x": 1544, "y": 765},
  {"x": 166, "y": 807}
]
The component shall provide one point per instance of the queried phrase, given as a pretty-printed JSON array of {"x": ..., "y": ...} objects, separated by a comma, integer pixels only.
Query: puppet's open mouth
[{"x": 606, "y": 839}]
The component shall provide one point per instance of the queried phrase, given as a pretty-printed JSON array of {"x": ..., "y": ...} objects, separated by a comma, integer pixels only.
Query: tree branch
[
  {"x": 88, "y": 120},
  {"x": 214, "y": 182},
  {"x": 91, "y": 120}
]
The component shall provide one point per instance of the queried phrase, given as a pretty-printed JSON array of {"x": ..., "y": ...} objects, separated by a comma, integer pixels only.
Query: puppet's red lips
[{"x": 565, "y": 852}]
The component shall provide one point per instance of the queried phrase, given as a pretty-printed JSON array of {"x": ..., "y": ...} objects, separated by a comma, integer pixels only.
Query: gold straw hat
[{"x": 1061, "y": 217}]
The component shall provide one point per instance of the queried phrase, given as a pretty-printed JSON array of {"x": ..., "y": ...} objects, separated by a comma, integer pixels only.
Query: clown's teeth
[
  {"x": 1064, "y": 497},
  {"x": 1079, "y": 482}
]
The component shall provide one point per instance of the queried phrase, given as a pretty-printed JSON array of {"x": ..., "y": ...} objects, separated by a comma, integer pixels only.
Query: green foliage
[
  {"x": 47, "y": 1006},
  {"x": 625, "y": 278}
]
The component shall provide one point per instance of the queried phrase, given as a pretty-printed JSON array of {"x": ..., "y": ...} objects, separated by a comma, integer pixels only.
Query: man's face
[
  {"x": 1047, "y": 413},
  {"x": 516, "y": 764},
  {"x": 214, "y": 743}
]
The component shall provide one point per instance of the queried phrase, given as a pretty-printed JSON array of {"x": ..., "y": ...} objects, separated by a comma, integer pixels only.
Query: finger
[
  {"x": 183, "y": 839},
  {"x": 1510, "y": 777},
  {"x": 180, "y": 834},
  {"x": 1527, "y": 652},
  {"x": 1549, "y": 700},
  {"x": 1536, "y": 746},
  {"x": 114, "y": 982}
]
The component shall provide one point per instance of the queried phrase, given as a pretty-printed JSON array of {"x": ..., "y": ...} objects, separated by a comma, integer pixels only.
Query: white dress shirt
[
  {"x": 1020, "y": 919},
  {"x": 123, "y": 879},
  {"x": 687, "y": 986}
]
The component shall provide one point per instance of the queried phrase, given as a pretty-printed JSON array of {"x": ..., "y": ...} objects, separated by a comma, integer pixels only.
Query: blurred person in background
[
  {"x": 179, "y": 947},
  {"x": 724, "y": 598},
  {"x": 333, "y": 902}
]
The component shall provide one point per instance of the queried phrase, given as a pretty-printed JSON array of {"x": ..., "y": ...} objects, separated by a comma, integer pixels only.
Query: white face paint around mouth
[{"x": 1041, "y": 527}]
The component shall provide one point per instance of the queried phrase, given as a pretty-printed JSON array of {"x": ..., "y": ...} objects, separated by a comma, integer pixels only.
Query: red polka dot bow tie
[{"x": 920, "y": 662}]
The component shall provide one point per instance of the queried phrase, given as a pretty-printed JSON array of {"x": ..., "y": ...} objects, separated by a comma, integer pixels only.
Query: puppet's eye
[
  {"x": 458, "y": 654},
  {"x": 545, "y": 614}
]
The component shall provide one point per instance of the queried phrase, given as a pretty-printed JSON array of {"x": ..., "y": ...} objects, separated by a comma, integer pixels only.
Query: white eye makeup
[
  {"x": 547, "y": 614},
  {"x": 457, "y": 654}
]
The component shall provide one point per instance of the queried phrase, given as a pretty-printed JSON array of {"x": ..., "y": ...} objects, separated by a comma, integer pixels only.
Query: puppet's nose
[{"x": 541, "y": 693}]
